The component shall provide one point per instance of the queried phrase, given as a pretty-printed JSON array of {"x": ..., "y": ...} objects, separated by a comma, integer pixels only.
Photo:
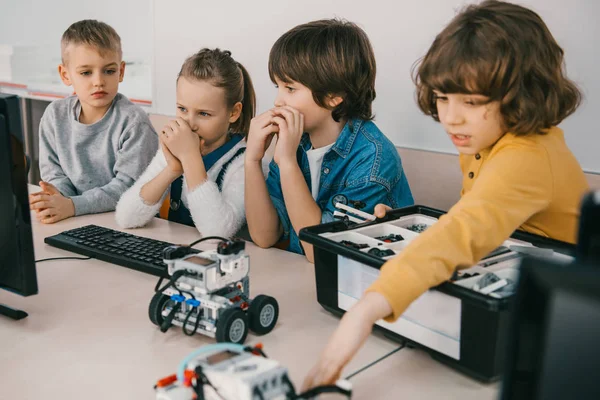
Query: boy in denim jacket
[{"x": 328, "y": 149}]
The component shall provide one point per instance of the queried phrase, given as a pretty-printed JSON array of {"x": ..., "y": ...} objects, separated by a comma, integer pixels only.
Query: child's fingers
[
  {"x": 48, "y": 212},
  {"x": 39, "y": 205},
  {"x": 49, "y": 188},
  {"x": 35, "y": 198},
  {"x": 163, "y": 140},
  {"x": 281, "y": 123},
  {"x": 381, "y": 210},
  {"x": 52, "y": 219},
  {"x": 181, "y": 122},
  {"x": 171, "y": 127},
  {"x": 297, "y": 114},
  {"x": 289, "y": 116},
  {"x": 267, "y": 114},
  {"x": 262, "y": 134},
  {"x": 264, "y": 119}
]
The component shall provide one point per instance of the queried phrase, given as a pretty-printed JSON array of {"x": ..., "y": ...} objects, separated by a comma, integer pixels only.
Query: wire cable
[
  {"x": 375, "y": 362},
  {"x": 206, "y": 238},
  {"x": 62, "y": 258}
]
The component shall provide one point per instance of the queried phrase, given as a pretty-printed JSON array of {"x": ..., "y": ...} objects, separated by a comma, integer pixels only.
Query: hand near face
[
  {"x": 173, "y": 164},
  {"x": 291, "y": 127},
  {"x": 180, "y": 140},
  {"x": 262, "y": 130},
  {"x": 50, "y": 206}
]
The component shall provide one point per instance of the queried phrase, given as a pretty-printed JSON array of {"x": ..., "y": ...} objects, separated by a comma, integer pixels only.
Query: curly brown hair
[
  {"x": 330, "y": 57},
  {"x": 505, "y": 52}
]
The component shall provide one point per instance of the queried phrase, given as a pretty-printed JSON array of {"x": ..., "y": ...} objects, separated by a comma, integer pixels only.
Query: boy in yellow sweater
[{"x": 499, "y": 100}]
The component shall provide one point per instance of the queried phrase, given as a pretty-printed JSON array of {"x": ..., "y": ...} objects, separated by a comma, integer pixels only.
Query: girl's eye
[
  {"x": 440, "y": 98},
  {"x": 182, "y": 109},
  {"x": 204, "y": 114},
  {"x": 85, "y": 73},
  {"x": 290, "y": 89}
]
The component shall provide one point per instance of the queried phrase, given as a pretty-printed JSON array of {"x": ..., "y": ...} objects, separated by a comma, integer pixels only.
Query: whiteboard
[{"x": 400, "y": 32}]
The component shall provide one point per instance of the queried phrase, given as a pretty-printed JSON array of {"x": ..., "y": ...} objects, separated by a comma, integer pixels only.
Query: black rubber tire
[
  {"x": 157, "y": 305},
  {"x": 231, "y": 318},
  {"x": 257, "y": 306}
]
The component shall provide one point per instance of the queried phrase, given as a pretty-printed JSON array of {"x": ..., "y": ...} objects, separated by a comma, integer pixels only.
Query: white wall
[
  {"x": 42, "y": 23},
  {"x": 400, "y": 31}
]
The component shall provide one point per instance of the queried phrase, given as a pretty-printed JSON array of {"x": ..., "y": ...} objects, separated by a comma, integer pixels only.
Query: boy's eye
[
  {"x": 474, "y": 102},
  {"x": 203, "y": 114},
  {"x": 85, "y": 73},
  {"x": 182, "y": 109},
  {"x": 110, "y": 71}
]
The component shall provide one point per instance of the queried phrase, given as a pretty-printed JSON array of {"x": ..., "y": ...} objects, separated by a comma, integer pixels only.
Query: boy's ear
[
  {"x": 64, "y": 75},
  {"x": 121, "y": 71},
  {"x": 333, "y": 100},
  {"x": 236, "y": 111}
]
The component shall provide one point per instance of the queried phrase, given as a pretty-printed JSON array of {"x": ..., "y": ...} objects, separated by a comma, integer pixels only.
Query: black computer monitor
[
  {"x": 17, "y": 262},
  {"x": 554, "y": 342},
  {"x": 588, "y": 241}
]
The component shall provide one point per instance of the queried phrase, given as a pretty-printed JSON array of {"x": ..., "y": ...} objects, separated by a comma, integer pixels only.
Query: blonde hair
[{"x": 96, "y": 34}]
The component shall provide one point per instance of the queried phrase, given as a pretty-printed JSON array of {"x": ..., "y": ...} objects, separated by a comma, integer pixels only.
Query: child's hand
[
  {"x": 291, "y": 128},
  {"x": 173, "y": 164},
  {"x": 354, "y": 328},
  {"x": 260, "y": 135},
  {"x": 381, "y": 210},
  {"x": 179, "y": 138},
  {"x": 50, "y": 206}
]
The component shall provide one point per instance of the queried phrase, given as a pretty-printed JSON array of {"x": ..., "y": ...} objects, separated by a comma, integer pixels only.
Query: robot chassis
[{"x": 208, "y": 293}]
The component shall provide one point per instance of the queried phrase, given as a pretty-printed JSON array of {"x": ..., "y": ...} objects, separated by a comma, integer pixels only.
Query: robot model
[
  {"x": 227, "y": 371},
  {"x": 208, "y": 293}
]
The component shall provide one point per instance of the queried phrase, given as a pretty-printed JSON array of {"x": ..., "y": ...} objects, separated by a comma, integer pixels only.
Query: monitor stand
[{"x": 12, "y": 313}]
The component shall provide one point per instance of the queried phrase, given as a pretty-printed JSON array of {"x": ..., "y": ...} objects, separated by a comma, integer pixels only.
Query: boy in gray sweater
[{"x": 95, "y": 144}]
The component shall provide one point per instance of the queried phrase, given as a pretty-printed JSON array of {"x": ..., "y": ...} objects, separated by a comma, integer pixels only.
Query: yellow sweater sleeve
[{"x": 515, "y": 184}]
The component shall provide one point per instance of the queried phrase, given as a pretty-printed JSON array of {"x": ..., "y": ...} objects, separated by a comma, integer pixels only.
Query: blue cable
[{"x": 202, "y": 350}]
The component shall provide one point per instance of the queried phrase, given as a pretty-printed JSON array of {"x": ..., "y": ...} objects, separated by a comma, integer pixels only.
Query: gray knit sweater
[{"x": 95, "y": 164}]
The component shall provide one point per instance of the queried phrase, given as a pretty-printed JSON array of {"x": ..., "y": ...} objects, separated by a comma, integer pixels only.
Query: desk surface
[{"x": 88, "y": 334}]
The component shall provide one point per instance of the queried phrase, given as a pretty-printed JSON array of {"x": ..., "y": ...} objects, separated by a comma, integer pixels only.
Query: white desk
[{"x": 88, "y": 335}]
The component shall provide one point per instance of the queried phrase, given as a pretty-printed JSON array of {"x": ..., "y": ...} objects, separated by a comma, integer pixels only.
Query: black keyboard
[{"x": 115, "y": 247}]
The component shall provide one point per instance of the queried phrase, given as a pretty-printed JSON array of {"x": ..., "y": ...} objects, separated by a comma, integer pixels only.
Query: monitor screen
[
  {"x": 17, "y": 263},
  {"x": 553, "y": 342}
]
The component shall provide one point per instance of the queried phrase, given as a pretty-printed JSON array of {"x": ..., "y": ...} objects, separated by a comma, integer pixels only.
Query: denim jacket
[{"x": 362, "y": 166}]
